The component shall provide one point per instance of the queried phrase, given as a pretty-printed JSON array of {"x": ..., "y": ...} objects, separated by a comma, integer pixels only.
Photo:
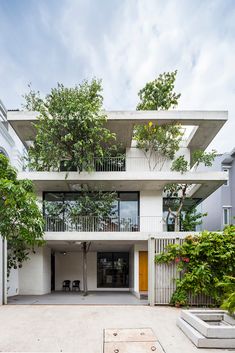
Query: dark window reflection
[
  {"x": 124, "y": 216},
  {"x": 113, "y": 270}
]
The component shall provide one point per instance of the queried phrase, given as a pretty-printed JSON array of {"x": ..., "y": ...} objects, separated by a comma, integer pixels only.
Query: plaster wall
[
  {"x": 151, "y": 211},
  {"x": 137, "y": 161},
  {"x": 35, "y": 275},
  {"x": 69, "y": 267},
  {"x": 13, "y": 283}
]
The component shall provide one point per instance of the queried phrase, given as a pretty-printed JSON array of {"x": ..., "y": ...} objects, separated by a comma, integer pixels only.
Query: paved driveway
[
  {"x": 100, "y": 298},
  {"x": 79, "y": 328}
]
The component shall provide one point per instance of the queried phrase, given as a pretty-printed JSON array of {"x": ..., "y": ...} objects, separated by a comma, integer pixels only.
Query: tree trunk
[
  {"x": 84, "y": 248},
  {"x": 177, "y": 223}
]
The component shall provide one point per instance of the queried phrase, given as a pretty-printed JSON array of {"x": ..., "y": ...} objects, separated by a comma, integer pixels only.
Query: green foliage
[
  {"x": 162, "y": 139},
  {"x": 93, "y": 203},
  {"x": 21, "y": 221},
  {"x": 159, "y": 94},
  {"x": 180, "y": 165},
  {"x": 179, "y": 191},
  {"x": 205, "y": 158},
  {"x": 229, "y": 294},
  {"x": 203, "y": 261},
  {"x": 70, "y": 127},
  {"x": 190, "y": 219}
]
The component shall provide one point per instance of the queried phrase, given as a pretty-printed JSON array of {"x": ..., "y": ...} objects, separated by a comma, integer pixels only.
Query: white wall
[
  {"x": 35, "y": 275},
  {"x": 13, "y": 283},
  {"x": 69, "y": 267},
  {"x": 151, "y": 211},
  {"x": 137, "y": 161}
]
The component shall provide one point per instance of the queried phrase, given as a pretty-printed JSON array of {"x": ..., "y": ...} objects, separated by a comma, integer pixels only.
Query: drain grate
[{"x": 141, "y": 340}]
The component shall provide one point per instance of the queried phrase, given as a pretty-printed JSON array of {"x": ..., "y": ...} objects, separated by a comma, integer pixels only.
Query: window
[
  {"x": 112, "y": 269},
  {"x": 226, "y": 170},
  {"x": 124, "y": 216},
  {"x": 226, "y": 216}
]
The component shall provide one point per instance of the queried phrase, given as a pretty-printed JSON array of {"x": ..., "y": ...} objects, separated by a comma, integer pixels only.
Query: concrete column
[
  {"x": 3, "y": 271},
  {"x": 151, "y": 271}
]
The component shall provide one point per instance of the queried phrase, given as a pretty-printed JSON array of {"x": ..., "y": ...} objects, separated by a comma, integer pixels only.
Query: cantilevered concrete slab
[
  {"x": 207, "y": 124},
  {"x": 207, "y": 182}
]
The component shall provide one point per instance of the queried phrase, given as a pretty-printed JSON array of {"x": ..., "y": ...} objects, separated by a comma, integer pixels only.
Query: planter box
[{"x": 208, "y": 328}]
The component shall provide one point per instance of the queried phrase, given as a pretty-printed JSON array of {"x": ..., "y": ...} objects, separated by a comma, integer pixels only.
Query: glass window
[
  {"x": 226, "y": 216},
  {"x": 112, "y": 270},
  {"x": 226, "y": 183}
]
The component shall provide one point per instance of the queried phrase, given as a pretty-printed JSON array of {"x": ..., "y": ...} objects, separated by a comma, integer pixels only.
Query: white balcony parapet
[{"x": 108, "y": 224}]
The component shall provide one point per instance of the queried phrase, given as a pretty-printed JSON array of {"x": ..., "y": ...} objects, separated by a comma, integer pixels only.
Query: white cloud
[{"x": 127, "y": 43}]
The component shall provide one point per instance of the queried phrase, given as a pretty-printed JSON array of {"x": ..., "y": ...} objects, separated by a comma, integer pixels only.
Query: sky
[{"x": 126, "y": 43}]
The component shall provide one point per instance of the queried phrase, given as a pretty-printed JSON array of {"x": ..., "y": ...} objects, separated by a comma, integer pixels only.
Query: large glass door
[{"x": 112, "y": 269}]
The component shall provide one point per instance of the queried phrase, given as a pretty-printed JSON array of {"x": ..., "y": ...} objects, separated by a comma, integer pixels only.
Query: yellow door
[{"x": 143, "y": 270}]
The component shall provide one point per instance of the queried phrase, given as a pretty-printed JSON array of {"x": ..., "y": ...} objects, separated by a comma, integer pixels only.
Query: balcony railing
[
  {"x": 97, "y": 224},
  {"x": 119, "y": 164}
]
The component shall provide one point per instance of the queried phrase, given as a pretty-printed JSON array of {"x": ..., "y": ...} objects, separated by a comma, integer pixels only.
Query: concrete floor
[
  {"x": 94, "y": 298},
  {"x": 77, "y": 328}
]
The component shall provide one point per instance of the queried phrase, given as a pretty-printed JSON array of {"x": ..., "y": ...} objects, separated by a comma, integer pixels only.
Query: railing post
[{"x": 151, "y": 271}]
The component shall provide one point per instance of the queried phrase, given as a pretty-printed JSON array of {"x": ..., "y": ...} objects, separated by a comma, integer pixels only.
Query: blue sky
[{"x": 126, "y": 43}]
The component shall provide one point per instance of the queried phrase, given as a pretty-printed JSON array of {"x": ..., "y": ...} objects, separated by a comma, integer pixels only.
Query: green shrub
[{"x": 203, "y": 262}]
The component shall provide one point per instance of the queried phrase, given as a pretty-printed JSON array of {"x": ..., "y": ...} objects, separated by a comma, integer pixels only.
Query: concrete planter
[{"x": 208, "y": 328}]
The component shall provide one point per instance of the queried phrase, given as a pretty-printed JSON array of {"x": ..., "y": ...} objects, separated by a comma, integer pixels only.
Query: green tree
[
  {"x": 70, "y": 129},
  {"x": 228, "y": 285},
  {"x": 190, "y": 219},
  {"x": 178, "y": 192},
  {"x": 158, "y": 142},
  {"x": 21, "y": 221},
  {"x": 159, "y": 94},
  {"x": 91, "y": 211}
]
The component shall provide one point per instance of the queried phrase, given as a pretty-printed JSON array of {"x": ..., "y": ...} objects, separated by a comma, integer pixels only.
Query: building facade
[
  {"x": 12, "y": 147},
  {"x": 220, "y": 206},
  {"x": 118, "y": 258}
]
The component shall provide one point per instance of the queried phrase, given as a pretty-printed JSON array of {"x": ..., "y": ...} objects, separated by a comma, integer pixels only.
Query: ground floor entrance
[{"x": 117, "y": 273}]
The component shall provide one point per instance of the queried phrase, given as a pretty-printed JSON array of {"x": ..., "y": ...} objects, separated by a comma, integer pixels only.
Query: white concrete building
[
  {"x": 118, "y": 256},
  {"x": 12, "y": 147}
]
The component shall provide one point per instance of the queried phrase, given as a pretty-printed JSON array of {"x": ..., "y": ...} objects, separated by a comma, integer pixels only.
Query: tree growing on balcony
[
  {"x": 178, "y": 192},
  {"x": 70, "y": 129},
  {"x": 21, "y": 221},
  {"x": 92, "y": 211},
  {"x": 159, "y": 94},
  {"x": 158, "y": 143}
]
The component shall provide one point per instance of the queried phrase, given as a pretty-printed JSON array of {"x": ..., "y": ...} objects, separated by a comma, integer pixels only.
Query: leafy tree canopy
[
  {"x": 70, "y": 128},
  {"x": 159, "y": 94},
  {"x": 21, "y": 222}
]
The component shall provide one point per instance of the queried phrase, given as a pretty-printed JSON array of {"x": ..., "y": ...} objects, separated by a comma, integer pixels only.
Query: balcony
[
  {"x": 119, "y": 164},
  {"x": 110, "y": 224}
]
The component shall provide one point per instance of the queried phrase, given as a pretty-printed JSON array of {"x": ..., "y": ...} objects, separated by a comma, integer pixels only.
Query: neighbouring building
[
  {"x": 118, "y": 257},
  {"x": 12, "y": 147},
  {"x": 220, "y": 206}
]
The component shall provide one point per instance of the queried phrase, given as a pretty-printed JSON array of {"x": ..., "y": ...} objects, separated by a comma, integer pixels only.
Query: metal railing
[
  {"x": 122, "y": 164},
  {"x": 98, "y": 224},
  {"x": 119, "y": 164}
]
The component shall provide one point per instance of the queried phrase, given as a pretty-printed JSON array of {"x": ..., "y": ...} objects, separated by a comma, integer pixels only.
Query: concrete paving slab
[
  {"x": 79, "y": 328},
  {"x": 132, "y": 347}
]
